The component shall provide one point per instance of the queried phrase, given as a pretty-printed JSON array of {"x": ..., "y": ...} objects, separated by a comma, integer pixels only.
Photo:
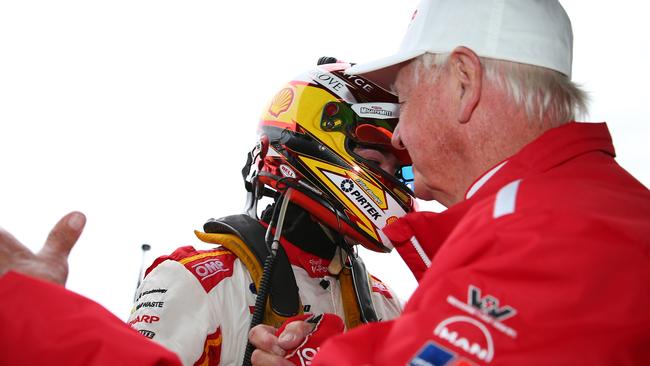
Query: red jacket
[
  {"x": 44, "y": 324},
  {"x": 547, "y": 263}
]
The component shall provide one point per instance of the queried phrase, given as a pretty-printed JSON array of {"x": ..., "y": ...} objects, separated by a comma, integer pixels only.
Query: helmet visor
[
  {"x": 365, "y": 123},
  {"x": 405, "y": 175}
]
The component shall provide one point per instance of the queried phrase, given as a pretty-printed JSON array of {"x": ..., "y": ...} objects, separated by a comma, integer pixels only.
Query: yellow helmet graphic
[{"x": 308, "y": 135}]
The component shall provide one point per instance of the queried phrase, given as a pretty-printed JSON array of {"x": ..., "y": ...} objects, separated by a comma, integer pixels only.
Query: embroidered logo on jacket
[
  {"x": 210, "y": 267},
  {"x": 489, "y": 304},
  {"x": 485, "y": 308},
  {"x": 379, "y": 287},
  {"x": 147, "y": 333},
  {"x": 144, "y": 319},
  {"x": 318, "y": 267},
  {"x": 152, "y": 291},
  {"x": 467, "y": 334},
  {"x": 150, "y": 304}
]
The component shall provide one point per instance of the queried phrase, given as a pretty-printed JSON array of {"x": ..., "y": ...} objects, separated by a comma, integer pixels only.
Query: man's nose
[{"x": 396, "y": 139}]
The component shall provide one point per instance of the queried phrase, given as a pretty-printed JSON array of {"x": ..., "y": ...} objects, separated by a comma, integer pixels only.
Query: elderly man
[{"x": 543, "y": 257}]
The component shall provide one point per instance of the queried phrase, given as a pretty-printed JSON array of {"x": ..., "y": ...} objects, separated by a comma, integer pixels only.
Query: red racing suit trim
[{"x": 194, "y": 294}]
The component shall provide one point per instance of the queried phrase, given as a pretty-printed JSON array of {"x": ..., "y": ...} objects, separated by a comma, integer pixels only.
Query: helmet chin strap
[
  {"x": 251, "y": 182},
  {"x": 255, "y": 190},
  {"x": 251, "y": 198},
  {"x": 286, "y": 196}
]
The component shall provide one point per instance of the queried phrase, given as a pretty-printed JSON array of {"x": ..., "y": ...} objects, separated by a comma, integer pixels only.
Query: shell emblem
[
  {"x": 391, "y": 220},
  {"x": 281, "y": 102}
]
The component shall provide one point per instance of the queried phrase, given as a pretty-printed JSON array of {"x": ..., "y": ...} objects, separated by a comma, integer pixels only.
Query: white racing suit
[{"x": 199, "y": 303}]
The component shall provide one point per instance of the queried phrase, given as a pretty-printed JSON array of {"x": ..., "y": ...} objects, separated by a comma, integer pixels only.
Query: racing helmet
[{"x": 307, "y": 138}]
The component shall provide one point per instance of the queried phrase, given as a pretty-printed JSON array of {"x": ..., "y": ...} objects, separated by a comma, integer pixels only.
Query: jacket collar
[{"x": 551, "y": 149}]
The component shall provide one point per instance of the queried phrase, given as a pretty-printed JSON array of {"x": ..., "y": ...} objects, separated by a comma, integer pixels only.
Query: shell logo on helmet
[
  {"x": 281, "y": 102},
  {"x": 391, "y": 220}
]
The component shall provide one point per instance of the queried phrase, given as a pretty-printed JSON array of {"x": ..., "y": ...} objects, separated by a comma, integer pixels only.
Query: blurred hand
[
  {"x": 297, "y": 342},
  {"x": 51, "y": 262},
  {"x": 271, "y": 349}
]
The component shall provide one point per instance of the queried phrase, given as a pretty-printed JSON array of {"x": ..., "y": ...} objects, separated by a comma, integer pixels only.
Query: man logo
[
  {"x": 489, "y": 304},
  {"x": 467, "y": 334}
]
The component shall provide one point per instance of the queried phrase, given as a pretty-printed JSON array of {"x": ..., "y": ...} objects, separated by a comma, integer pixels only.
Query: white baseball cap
[{"x": 535, "y": 32}]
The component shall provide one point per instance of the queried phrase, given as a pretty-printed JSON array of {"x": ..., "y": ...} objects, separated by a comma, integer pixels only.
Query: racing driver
[{"x": 324, "y": 157}]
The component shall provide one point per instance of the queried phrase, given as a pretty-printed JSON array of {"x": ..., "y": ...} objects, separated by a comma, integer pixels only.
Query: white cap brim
[{"x": 384, "y": 71}]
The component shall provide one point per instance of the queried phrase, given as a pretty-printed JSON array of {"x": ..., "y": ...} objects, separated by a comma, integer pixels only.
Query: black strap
[
  {"x": 284, "y": 297},
  {"x": 362, "y": 288}
]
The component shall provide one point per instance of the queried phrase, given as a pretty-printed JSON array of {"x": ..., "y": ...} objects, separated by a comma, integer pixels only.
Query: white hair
[{"x": 541, "y": 91}]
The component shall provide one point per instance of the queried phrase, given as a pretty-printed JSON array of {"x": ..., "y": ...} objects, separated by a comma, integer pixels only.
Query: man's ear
[{"x": 466, "y": 69}]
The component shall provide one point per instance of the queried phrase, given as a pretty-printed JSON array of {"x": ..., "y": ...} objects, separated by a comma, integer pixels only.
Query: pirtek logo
[
  {"x": 347, "y": 186},
  {"x": 489, "y": 304},
  {"x": 366, "y": 205}
]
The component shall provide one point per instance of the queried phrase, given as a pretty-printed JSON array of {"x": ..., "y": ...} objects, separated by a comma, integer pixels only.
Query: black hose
[
  {"x": 260, "y": 304},
  {"x": 273, "y": 243}
]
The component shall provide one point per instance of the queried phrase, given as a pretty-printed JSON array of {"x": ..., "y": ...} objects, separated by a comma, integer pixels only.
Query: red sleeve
[
  {"x": 529, "y": 289},
  {"x": 45, "y": 324},
  {"x": 355, "y": 347}
]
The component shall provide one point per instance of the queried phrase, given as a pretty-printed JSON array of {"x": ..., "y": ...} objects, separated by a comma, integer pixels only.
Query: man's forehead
[{"x": 404, "y": 79}]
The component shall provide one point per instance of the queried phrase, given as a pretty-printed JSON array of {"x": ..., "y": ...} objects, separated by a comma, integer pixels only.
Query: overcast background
[{"x": 140, "y": 113}]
